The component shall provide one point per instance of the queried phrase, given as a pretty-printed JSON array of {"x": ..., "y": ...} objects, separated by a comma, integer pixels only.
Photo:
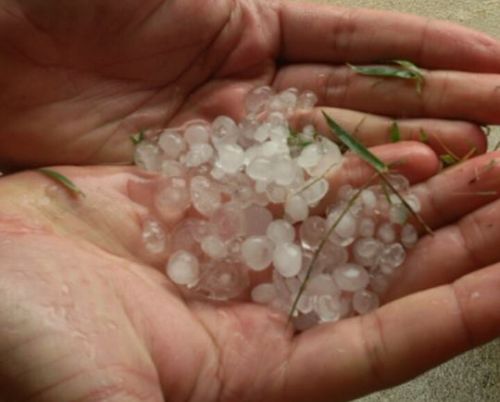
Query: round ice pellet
[
  {"x": 257, "y": 252},
  {"x": 154, "y": 237},
  {"x": 172, "y": 144},
  {"x": 351, "y": 277},
  {"x": 214, "y": 247},
  {"x": 197, "y": 133},
  {"x": 264, "y": 293},
  {"x": 287, "y": 259},
  {"x": 296, "y": 208},
  {"x": 312, "y": 232},
  {"x": 365, "y": 301},
  {"x": 409, "y": 235},
  {"x": 280, "y": 231},
  {"x": 328, "y": 308},
  {"x": 366, "y": 251},
  {"x": 183, "y": 268},
  {"x": 386, "y": 233}
]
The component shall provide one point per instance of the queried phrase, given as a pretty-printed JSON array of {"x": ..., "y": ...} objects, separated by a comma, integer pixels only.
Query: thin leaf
[
  {"x": 424, "y": 137},
  {"x": 355, "y": 146},
  {"x": 137, "y": 138},
  {"x": 448, "y": 160},
  {"x": 395, "y": 133},
  {"x": 63, "y": 180}
]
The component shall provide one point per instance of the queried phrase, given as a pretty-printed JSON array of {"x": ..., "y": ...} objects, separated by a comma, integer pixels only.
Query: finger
[
  {"x": 320, "y": 33},
  {"x": 396, "y": 342},
  {"x": 455, "y": 137},
  {"x": 445, "y": 94}
]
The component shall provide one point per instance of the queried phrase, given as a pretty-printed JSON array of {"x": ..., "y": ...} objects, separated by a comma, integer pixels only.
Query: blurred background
[{"x": 474, "y": 376}]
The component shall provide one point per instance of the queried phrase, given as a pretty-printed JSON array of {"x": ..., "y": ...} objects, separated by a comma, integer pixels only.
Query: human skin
[{"x": 86, "y": 314}]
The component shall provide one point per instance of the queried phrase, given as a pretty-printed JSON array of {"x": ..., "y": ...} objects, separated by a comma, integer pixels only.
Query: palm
[
  {"x": 78, "y": 78},
  {"x": 96, "y": 318}
]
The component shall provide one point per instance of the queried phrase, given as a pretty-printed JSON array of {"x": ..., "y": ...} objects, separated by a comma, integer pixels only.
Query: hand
[
  {"x": 86, "y": 316},
  {"x": 79, "y": 77}
]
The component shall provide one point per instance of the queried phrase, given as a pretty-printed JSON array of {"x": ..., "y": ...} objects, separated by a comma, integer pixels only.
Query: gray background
[{"x": 474, "y": 376}]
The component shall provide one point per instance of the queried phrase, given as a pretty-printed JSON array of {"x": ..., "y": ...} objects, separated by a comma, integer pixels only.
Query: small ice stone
[
  {"x": 205, "y": 195},
  {"x": 224, "y": 131},
  {"x": 366, "y": 227},
  {"x": 391, "y": 257},
  {"x": 172, "y": 144},
  {"x": 307, "y": 100},
  {"x": 329, "y": 162},
  {"x": 386, "y": 233},
  {"x": 346, "y": 192},
  {"x": 223, "y": 280},
  {"x": 312, "y": 232},
  {"x": 262, "y": 132},
  {"x": 366, "y": 251},
  {"x": 199, "y": 228},
  {"x": 331, "y": 256},
  {"x": 364, "y": 301},
  {"x": 276, "y": 119},
  {"x": 264, "y": 293},
  {"x": 398, "y": 214},
  {"x": 399, "y": 182},
  {"x": 328, "y": 308},
  {"x": 276, "y": 194},
  {"x": 197, "y": 134},
  {"x": 287, "y": 259},
  {"x": 284, "y": 171},
  {"x": 379, "y": 282},
  {"x": 369, "y": 199},
  {"x": 280, "y": 231},
  {"x": 296, "y": 208},
  {"x": 279, "y": 134},
  {"x": 409, "y": 236},
  {"x": 214, "y": 247},
  {"x": 154, "y": 237},
  {"x": 198, "y": 155},
  {"x": 310, "y": 156},
  {"x": 260, "y": 169},
  {"x": 351, "y": 277},
  {"x": 173, "y": 195},
  {"x": 322, "y": 284},
  {"x": 147, "y": 155},
  {"x": 231, "y": 158},
  {"x": 345, "y": 224},
  {"x": 289, "y": 98},
  {"x": 315, "y": 190},
  {"x": 305, "y": 304},
  {"x": 257, "y": 252},
  {"x": 413, "y": 202},
  {"x": 183, "y": 269},
  {"x": 171, "y": 168},
  {"x": 257, "y": 220},
  {"x": 228, "y": 222},
  {"x": 258, "y": 99}
]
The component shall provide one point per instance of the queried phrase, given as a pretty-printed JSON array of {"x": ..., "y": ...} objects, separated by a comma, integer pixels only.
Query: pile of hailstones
[{"x": 247, "y": 191}]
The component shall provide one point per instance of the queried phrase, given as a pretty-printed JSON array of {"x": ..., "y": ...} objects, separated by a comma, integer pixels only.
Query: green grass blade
[
  {"x": 395, "y": 133},
  {"x": 137, "y": 138},
  {"x": 355, "y": 146},
  {"x": 63, "y": 180}
]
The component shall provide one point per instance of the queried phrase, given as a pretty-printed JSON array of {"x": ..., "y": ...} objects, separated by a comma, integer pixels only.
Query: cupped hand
[
  {"x": 79, "y": 77},
  {"x": 87, "y": 313}
]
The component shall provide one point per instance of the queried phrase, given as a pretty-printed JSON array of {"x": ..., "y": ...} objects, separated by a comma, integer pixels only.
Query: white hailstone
[
  {"x": 283, "y": 171},
  {"x": 257, "y": 252},
  {"x": 369, "y": 199},
  {"x": 276, "y": 194},
  {"x": 280, "y": 231},
  {"x": 205, "y": 195},
  {"x": 231, "y": 158},
  {"x": 224, "y": 131},
  {"x": 329, "y": 162},
  {"x": 307, "y": 100},
  {"x": 262, "y": 132},
  {"x": 172, "y": 144},
  {"x": 198, "y": 228},
  {"x": 328, "y": 308},
  {"x": 308, "y": 132},
  {"x": 261, "y": 186},
  {"x": 399, "y": 182},
  {"x": 257, "y": 220},
  {"x": 312, "y": 232},
  {"x": 398, "y": 214},
  {"x": 310, "y": 156},
  {"x": 315, "y": 190},
  {"x": 182, "y": 238},
  {"x": 287, "y": 259},
  {"x": 331, "y": 256},
  {"x": 345, "y": 223},
  {"x": 173, "y": 195},
  {"x": 197, "y": 134},
  {"x": 214, "y": 247},
  {"x": 279, "y": 133},
  {"x": 414, "y": 202},
  {"x": 183, "y": 268},
  {"x": 223, "y": 280},
  {"x": 366, "y": 251},
  {"x": 322, "y": 284},
  {"x": 366, "y": 227},
  {"x": 228, "y": 222},
  {"x": 257, "y": 100},
  {"x": 351, "y": 277},
  {"x": 147, "y": 155},
  {"x": 264, "y": 293},
  {"x": 386, "y": 232},
  {"x": 305, "y": 304},
  {"x": 391, "y": 257},
  {"x": 154, "y": 237},
  {"x": 296, "y": 208},
  {"x": 409, "y": 236},
  {"x": 364, "y": 301},
  {"x": 199, "y": 154},
  {"x": 288, "y": 98},
  {"x": 260, "y": 169},
  {"x": 276, "y": 119},
  {"x": 171, "y": 168},
  {"x": 379, "y": 282},
  {"x": 217, "y": 174},
  {"x": 346, "y": 192}
]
